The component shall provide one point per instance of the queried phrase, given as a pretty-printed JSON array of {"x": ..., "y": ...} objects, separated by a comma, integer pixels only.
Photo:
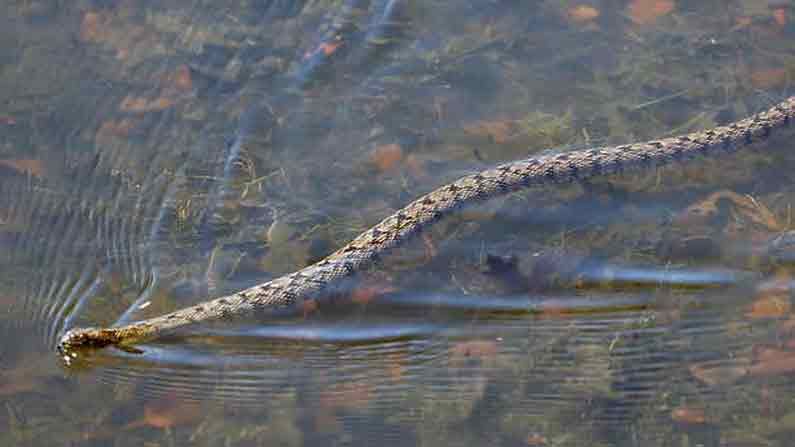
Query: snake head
[
  {"x": 79, "y": 342},
  {"x": 81, "y": 339}
]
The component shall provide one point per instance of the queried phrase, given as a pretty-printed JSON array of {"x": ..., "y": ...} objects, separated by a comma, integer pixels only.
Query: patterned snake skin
[{"x": 290, "y": 291}]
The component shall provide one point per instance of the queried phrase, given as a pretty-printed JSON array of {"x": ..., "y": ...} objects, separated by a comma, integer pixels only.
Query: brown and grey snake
[{"x": 289, "y": 292}]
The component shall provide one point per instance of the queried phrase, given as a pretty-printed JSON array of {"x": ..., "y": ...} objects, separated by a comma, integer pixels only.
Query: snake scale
[{"x": 289, "y": 292}]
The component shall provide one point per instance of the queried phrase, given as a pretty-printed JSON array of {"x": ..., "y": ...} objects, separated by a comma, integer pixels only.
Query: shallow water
[{"x": 156, "y": 154}]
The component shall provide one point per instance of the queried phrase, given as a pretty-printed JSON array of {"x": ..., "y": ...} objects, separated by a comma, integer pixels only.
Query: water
[{"x": 156, "y": 154}]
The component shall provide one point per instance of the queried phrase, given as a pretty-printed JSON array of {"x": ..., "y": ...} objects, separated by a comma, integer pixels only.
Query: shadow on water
[{"x": 153, "y": 156}]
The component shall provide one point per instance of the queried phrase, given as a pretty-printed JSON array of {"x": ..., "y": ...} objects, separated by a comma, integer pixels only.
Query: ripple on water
[
  {"x": 74, "y": 252},
  {"x": 599, "y": 348},
  {"x": 455, "y": 347}
]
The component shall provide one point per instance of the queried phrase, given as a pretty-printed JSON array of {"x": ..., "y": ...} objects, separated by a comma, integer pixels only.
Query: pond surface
[{"x": 650, "y": 309}]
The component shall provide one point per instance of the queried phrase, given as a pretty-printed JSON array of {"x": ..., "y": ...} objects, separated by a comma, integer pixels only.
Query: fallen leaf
[
  {"x": 774, "y": 366},
  {"x": 166, "y": 412},
  {"x": 121, "y": 36},
  {"x": 773, "y": 298},
  {"x": 764, "y": 354},
  {"x": 387, "y": 157},
  {"x": 328, "y": 48},
  {"x": 742, "y": 22},
  {"x": 780, "y": 16},
  {"x": 180, "y": 80},
  {"x": 25, "y": 166},
  {"x": 91, "y": 26},
  {"x": 161, "y": 103},
  {"x": 769, "y": 307},
  {"x": 122, "y": 54},
  {"x": 714, "y": 375},
  {"x": 582, "y": 13},
  {"x": 689, "y": 415},
  {"x": 645, "y": 12},
  {"x": 142, "y": 105},
  {"x": 535, "y": 440},
  {"x": 131, "y": 104},
  {"x": 766, "y": 78},
  {"x": 119, "y": 128},
  {"x": 113, "y": 128}
]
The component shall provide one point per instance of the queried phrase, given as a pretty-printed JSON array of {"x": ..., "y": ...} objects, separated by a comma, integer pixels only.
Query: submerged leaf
[
  {"x": 25, "y": 166},
  {"x": 582, "y": 13},
  {"x": 689, "y": 415},
  {"x": 773, "y": 298},
  {"x": 644, "y": 12},
  {"x": 168, "y": 411},
  {"x": 387, "y": 157}
]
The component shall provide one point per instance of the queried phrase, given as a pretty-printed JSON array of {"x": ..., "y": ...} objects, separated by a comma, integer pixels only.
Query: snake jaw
[
  {"x": 82, "y": 338},
  {"x": 76, "y": 343}
]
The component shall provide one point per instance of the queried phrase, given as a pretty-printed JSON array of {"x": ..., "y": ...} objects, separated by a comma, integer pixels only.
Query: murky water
[{"x": 156, "y": 154}]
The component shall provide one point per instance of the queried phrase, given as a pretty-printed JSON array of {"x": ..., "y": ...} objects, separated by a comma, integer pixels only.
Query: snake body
[{"x": 289, "y": 292}]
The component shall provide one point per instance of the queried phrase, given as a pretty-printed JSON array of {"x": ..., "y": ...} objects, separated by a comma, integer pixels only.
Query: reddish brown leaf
[
  {"x": 767, "y": 78},
  {"x": 180, "y": 80},
  {"x": 142, "y": 105},
  {"x": 535, "y": 440},
  {"x": 772, "y": 300},
  {"x": 645, "y": 12},
  {"x": 785, "y": 364},
  {"x": 167, "y": 412},
  {"x": 780, "y": 16},
  {"x": 387, "y": 157},
  {"x": 582, "y": 13},
  {"x": 328, "y": 48},
  {"x": 25, "y": 166},
  {"x": 689, "y": 415},
  {"x": 714, "y": 375},
  {"x": 90, "y": 27}
]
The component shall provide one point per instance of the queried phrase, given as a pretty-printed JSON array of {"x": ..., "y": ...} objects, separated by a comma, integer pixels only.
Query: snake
[{"x": 289, "y": 292}]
